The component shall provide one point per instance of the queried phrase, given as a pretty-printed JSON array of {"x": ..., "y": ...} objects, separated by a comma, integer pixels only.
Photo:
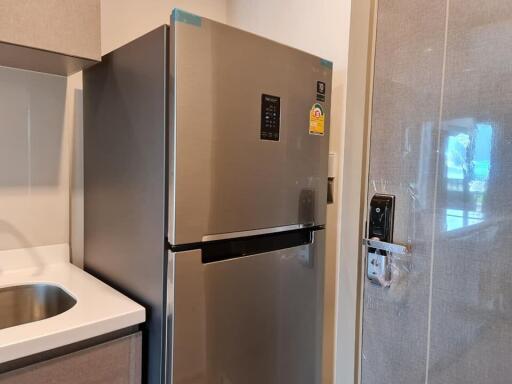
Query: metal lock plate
[{"x": 379, "y": 269}]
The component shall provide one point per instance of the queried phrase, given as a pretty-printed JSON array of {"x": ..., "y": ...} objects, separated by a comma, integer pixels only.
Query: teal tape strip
[
  {"x": 184, "y": 17},
  {"x": 326, "y": 63}
]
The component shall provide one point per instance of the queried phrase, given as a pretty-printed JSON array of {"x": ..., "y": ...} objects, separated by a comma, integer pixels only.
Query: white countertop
[{"x": 99, "y": 309}]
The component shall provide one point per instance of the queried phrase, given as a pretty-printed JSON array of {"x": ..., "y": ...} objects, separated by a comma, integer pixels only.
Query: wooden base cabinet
[{"x": 114, "y": 362}]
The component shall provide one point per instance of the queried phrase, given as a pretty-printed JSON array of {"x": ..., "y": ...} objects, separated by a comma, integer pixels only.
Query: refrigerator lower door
[{"x": 252, "y": 320}]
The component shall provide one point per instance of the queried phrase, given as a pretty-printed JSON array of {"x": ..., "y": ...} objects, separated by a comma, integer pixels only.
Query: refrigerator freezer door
[
  {"x": 250, "y": 132},
  {"x": 252, "y": 320}
]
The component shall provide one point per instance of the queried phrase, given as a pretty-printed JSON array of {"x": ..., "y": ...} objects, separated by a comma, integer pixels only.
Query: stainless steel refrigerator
[{"x": 205, "y": 151}]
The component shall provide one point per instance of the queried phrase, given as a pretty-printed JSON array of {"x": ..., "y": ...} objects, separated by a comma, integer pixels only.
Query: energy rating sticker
[{"x": 316, "y": 120}]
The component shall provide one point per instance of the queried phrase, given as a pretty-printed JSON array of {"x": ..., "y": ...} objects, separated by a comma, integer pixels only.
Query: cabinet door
[{"x": 114, "y": 362}]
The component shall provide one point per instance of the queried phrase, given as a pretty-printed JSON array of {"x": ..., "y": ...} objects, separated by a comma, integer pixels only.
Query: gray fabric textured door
[{"x": 441, "y": 142}]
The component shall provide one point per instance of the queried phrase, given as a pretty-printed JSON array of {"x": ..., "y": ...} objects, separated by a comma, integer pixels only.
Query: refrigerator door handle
[
  {"x": 216, "y": 251},
  {"x": 256, "y": 232}
]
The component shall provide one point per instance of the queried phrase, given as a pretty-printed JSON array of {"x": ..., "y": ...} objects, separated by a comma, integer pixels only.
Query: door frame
[{"x": 349, "y": 297}]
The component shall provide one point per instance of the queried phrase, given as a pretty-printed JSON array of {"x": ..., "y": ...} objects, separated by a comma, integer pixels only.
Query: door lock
[
  {"x": 380, "y": 236},
  {"x": 379, "y": 269}
]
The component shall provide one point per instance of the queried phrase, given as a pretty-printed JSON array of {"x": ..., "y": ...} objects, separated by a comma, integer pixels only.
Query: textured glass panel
[
  {"x": 471, "y": 320},
  {"x": 405, "y": 129}
]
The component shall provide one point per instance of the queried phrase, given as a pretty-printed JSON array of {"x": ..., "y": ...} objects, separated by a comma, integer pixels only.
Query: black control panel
[
  {"x": 382, "y": 212},
  {"x": 270, "y": 117},
  {"x": 320, "y": 91}
]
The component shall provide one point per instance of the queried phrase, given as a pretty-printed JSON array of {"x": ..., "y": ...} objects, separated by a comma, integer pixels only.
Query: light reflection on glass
[{"x": 467, "y": 159}]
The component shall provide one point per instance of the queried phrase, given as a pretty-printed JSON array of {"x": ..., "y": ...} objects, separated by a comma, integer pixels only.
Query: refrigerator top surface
[{"x": 249, "y": 132}]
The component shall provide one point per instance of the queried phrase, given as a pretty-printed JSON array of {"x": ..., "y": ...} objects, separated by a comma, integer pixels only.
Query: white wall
[
  {"x": 125, "y": 20},
  {"x": 34, "y": 159},
  {"x": 320, "y": 27},
  {"x": 36, "y": 123}
]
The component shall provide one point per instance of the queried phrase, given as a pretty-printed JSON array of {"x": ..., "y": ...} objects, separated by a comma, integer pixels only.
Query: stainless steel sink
[{"x": 22, "y": 304}]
